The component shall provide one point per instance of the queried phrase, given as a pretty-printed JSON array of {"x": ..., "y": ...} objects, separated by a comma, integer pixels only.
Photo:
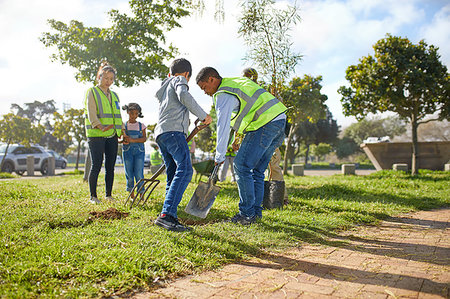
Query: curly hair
[{"x": 133, "y": 106}]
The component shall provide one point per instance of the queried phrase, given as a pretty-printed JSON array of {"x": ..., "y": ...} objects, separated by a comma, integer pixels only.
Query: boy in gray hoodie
[{"x": 175, "y": 103}]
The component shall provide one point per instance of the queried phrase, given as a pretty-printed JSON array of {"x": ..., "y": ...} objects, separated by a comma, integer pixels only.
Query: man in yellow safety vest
[{"x": 250, "y": 110}]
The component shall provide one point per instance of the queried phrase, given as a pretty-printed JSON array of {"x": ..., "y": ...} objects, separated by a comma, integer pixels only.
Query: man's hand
[
  {"x": 207, "y": 120},
  {"x": 218, "y": 163}
]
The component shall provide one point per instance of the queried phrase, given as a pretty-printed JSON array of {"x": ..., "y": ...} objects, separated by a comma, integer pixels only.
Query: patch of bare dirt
[{"x": 109, "y": 214}]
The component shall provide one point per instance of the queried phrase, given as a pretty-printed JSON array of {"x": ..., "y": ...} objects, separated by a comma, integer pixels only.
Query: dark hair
[
  {"x": 180, "y": 65},
  {"x": 105, "y": 67},
  {"x": 207, "y": 72},
  {"x": 133, "y": 106}
]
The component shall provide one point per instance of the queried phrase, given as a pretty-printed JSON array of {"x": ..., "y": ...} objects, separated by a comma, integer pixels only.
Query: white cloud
[
  {"x": 437, "y": 33},
  {"x": 333, "y": 34}
]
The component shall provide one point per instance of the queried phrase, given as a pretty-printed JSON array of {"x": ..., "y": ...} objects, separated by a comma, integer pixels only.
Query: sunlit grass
[{"x": 50, "y": 246}]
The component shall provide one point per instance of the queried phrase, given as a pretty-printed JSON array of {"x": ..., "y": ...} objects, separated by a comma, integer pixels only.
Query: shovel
[{"x": 204, "y": 196}]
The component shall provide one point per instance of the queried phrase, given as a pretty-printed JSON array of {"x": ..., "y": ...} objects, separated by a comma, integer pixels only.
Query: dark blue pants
[{"x": 99, "y": 147}]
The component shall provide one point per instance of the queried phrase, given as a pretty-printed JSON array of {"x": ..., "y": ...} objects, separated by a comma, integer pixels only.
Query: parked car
[
  {"x": 16, "y": 158},
  {"x": 377, "y": 139},
  {"x": 147, "y": 160},
  {"x": 60, "y": 161}
]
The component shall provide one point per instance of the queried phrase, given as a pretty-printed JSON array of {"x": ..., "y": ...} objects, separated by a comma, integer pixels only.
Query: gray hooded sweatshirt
[{"x": 175, "y": 102}]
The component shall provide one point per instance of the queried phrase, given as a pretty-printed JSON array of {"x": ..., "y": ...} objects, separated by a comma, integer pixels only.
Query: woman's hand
[{"x": 105, "y": 128}]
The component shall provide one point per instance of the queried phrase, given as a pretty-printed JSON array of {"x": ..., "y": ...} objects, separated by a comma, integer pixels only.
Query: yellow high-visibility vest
[
  {"x": 107, "y": 113},
  {"x": 257, "y": 106}
]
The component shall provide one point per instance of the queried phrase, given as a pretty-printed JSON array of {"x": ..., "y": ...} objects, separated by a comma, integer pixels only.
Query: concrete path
[{"x": 403, "y": 257}]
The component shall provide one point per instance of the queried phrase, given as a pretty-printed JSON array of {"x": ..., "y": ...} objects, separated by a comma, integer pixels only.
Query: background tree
[
  {"x": 431, "y": 131},
  {"x": 266, "y": 32},
  {"x": 206, "y": 138},
  {"x": 305, "y": 101},
  {"x": 406, "y": 78},
  {"x": 324, "y": 130},
  {"x": 42, "y": 113},
  {"x": 345, "y": 147},
  {"x": 69, "y": 126},
  {"x": 135, "y": 44},
  {"x": 320, "y": 150},
  {"x": 375, "y": 127},
  {"x": 300, "y": 141},
  {"x": 17, "y": 129},
  {"x": 37, "y": 112}
]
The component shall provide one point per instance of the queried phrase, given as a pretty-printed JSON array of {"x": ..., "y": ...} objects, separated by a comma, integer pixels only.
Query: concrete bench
[
  {"x": 400, "y": 166},
  {"x": 348, "y": 168},
  {"x": 298, "y": 169}
]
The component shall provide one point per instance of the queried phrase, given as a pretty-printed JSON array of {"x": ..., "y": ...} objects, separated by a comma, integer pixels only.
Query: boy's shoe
[
  {"x": 244, "y": 220},
  {"x": 171, "y": 223},
  {"x": 94, "y": 200}
]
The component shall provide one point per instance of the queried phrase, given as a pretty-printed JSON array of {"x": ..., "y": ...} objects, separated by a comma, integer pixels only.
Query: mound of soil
[{"x": 111, "y": 213}]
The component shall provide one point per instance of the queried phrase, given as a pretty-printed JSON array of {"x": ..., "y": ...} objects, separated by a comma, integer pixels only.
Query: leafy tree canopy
[
  {"x": 402, "y": 77},
  {"x": 69, "y": 126},
  {"x": 134, "y": 44},
  {"x": 36, "y": 111}
]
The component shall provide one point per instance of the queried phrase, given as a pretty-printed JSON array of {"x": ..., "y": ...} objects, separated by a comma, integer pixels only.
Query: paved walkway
[{"x": 403, "y": 257}]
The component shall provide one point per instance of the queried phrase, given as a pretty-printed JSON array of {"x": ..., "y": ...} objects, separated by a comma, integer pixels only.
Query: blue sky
[{"x": 332, "y": 35}]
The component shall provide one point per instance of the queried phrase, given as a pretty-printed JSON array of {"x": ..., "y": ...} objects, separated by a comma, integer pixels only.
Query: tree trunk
[
  {"x": 78, "y": 155},
  {"x": 288, "y": 148},
  {"x": 87, "y": 167},
  {"x": 415, "y": 145},
  {"x": 306, "y": 154},
  {"x": 4, "y": 156}
]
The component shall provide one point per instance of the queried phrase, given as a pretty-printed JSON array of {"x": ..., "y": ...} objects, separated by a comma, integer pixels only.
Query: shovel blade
[{"x": 202, "y": 199}]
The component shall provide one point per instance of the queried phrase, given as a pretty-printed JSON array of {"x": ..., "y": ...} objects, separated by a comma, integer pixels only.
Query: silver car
[{"x": 16, "y": 158}]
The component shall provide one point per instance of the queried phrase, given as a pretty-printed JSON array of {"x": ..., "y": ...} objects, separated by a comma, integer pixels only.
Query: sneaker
[
  {"x": 94, "y": 200},
  {"x": 171, "y": 223},
  {"x": 110, "y": 198},
  {"x": 244, "y": 220}
]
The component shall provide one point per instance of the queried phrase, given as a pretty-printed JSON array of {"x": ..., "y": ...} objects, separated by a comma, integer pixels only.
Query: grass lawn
[{"x": 51, "y": 246}]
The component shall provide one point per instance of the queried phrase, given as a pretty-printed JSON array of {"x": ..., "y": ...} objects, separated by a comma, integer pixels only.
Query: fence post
[{"x": 30, "y": 165}]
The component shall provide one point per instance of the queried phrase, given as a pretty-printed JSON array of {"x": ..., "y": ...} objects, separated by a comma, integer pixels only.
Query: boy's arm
[{"x": 182, "y": 90}]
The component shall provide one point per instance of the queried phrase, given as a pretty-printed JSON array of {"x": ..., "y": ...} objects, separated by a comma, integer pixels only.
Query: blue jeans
[
  {"x": 250, "y": 163},
  {"x": 133, "y": 159},
  {"x": 99, "y": 147},
  {"x": 175, "y": 153}
]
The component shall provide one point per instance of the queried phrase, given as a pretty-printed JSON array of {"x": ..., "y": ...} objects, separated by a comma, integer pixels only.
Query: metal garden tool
[
  {"x": 204, "y": 196},
  {"x": 144, "y": 188}
]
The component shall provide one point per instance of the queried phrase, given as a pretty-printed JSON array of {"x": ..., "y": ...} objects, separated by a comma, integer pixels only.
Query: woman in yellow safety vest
[{"x": 103, "y": 124}]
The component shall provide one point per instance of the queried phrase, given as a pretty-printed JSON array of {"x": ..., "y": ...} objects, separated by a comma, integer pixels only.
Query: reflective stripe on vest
[
  {"x": 107, "y": 113},
  {"x": 254, "y": 101}
]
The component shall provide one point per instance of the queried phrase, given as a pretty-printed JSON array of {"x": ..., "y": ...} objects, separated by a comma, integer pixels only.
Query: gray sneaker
[{"x": 94, "y": 200}]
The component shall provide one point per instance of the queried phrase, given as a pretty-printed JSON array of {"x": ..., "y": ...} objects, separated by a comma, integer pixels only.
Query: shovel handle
[
  {"x": 213, "y": 176},
  {"x": 197, "y": 129}
]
